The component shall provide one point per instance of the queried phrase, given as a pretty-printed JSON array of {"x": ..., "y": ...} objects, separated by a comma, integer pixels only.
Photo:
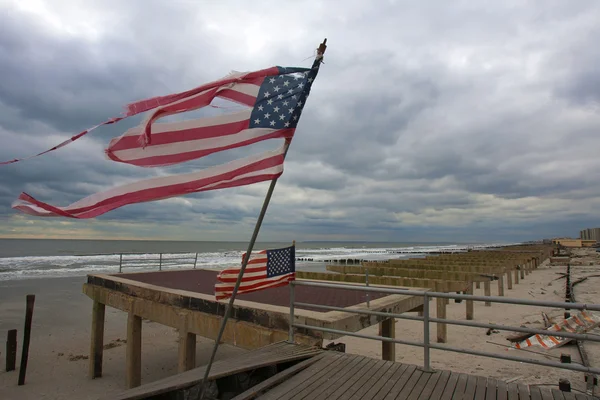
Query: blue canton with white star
[
  {"x": 281, "y": 98},
  {"x": 281, "y": 261}
]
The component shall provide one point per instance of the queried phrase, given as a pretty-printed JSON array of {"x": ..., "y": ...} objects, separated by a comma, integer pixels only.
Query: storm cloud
[{"x": 468, "y": 121}]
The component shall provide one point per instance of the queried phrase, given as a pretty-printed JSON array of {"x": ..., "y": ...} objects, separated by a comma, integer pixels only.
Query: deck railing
[
  {"x": 426, "y": 319},
  {"x": 152, "y": 259}
]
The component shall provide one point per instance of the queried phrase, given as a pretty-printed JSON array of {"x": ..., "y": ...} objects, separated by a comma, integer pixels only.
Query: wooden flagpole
[{"x": 263, "y": 211}]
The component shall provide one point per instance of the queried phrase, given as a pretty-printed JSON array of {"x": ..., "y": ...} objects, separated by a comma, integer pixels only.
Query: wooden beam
[
  {"x": 387, "y": 328},
  {"x": 134, "y": 351},
  {"x": 97, "y": 340}
]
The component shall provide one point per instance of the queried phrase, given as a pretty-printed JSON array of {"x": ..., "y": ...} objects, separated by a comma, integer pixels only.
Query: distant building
[
  {"x": 590, "y": 234},
  {"x": 568, "y": 242}
]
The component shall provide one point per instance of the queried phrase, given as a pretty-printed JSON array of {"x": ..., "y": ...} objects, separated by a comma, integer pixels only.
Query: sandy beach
[{"x": 58, "y": 365}]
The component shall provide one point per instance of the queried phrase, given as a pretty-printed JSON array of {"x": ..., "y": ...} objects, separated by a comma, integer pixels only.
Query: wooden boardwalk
[
  {"x": 346, "y": 376},
  {"x": 330, "y": 375}
]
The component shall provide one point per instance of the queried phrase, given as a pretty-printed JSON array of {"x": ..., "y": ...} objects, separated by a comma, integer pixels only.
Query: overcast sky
[{"x": 431, "y": 120}]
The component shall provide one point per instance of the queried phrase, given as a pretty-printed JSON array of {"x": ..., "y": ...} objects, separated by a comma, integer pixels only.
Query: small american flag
[{"x": 265, "y": 269}]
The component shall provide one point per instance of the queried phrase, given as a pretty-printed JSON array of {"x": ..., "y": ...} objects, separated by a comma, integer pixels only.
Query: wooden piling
[
  {"x": 501, "y": 285},
  {"x": 387, "y": 328},
  {"x": 11, "y": 350},
  {"x": 26, "y": 338},
  {"x": 96, "y": 340},
  {"x": 442, "y": 333},
  {"x": 509, "y": 280},
  {"x": 487, "y": 291},
  {"x": 470, "y": 308},
  {"x": 134, "y": 351}
]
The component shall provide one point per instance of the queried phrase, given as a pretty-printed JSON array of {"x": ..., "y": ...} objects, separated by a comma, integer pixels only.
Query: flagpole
[{"x": 263, "y": 211}]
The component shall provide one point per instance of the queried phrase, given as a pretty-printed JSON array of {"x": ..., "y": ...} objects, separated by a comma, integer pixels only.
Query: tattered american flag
[
  {"x": 275, "y": 98},
  {"x": 265, "y": 269}
]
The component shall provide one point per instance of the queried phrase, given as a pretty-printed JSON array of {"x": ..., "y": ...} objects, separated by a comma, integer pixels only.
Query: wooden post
[
  {"x": 501, "y": 285},
  {"x": 470, "y": 302},
  {"x": 442, "y": 336},
  {"x": 487, "y": 291},
  {"x": 387, "y": 328},
  {"x": 11, "y": 350},
  {"x": 509, "y": 279},
  {"x": 134, "y": 350},
  {"x": 477, "y": 285},
  {"x": 516, "y": 276},
  {"x": 187, "y": 348},
  {"x": 522, "y": 270},
  {"x": 97, "y": 340},
  {"x": 26, "y": 337}
]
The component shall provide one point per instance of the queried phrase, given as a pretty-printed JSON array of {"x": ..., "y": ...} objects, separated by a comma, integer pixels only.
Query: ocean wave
[{"x": 77, "y": 265}]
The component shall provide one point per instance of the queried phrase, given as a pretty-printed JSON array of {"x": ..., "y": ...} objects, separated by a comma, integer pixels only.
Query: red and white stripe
[
  {"x": 244, "y": 171},
  {"x": 254, "y": 277},
  {"x": 176, "y": 142},
  {"x": 581, "y": 322},
  {"x": 236, "y": 86}
]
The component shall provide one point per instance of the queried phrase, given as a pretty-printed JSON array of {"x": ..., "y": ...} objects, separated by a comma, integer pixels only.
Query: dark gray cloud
[{"x": 431, "y": 121}]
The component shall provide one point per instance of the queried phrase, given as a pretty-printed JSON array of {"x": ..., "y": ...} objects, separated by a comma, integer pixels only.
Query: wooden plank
[
  {"x": 301, "y": 387},
  {"x": 513, "y": 391},
  {"x": 461, "y": 386},
  {"x": 535, "y": 393},
  {"x": 502, "y": 390},
  {"x": 450, "y": 386},
  {"x": 481, "y": 387},
  {"x": 328, "y": 361},
  {"x": 410, "y": 384},
  {"x": 470, "y": 388},
  {"x": 491, "y": 392},
  {"x": 546, "y": 394},
  {"x": 389, "y": 384},
  {"x": 359, "y": 387},
  {"x": 557, "y": 394},
  {"x": 133, "y": 357},
  {"x": 350, "y": 383},
  {"x": 569, "y": 396},
  {"x": 430, "y": 386},
  {"x": 421, "y": 384},
  {"x": 438, "y": 389},
  {"x": 378, "y": 385},
  {"x": 327, "y": 390},
  {"x": 347, "y": 372},
  {"x": 97, "y": 340},
  {"x": 523, "y": 391},
  {"x": 367, "y": 382},
  {"x": 399, "y": 384},
  {"x": 276, "y": 379}
]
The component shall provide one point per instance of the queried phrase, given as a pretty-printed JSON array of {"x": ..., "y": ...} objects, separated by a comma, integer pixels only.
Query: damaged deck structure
[
  {"x": 290, "y": 371},
  {"x": 184, "y": 300}
]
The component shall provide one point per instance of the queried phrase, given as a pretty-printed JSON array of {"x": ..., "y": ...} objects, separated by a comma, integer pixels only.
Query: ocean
[{"x": 43, "y": 258}]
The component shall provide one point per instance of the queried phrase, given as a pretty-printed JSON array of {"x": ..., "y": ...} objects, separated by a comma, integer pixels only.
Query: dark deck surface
[
  {"x": 347, "y": 376},
  {"x": 203, "y": 281}
]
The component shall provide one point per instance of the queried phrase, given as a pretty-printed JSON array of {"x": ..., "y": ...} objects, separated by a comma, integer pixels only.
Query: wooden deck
[
  {"x": 328, "y": 375},
  {"x": 346, "y": 376}
]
